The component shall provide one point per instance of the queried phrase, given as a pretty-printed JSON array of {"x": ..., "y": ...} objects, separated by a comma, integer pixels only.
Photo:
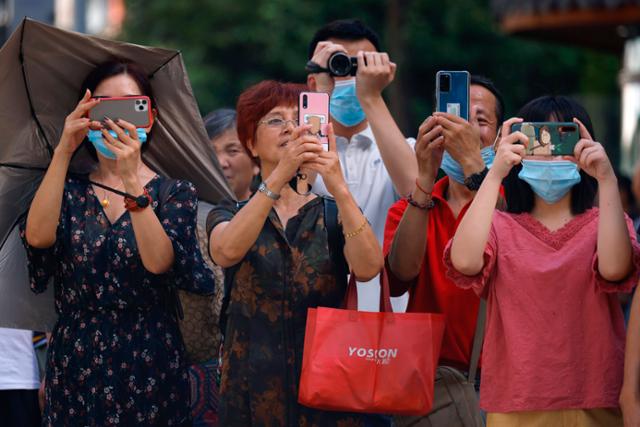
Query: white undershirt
[
  {"x": 18, "y": 364},
  {"x": 372, "y": 189}
]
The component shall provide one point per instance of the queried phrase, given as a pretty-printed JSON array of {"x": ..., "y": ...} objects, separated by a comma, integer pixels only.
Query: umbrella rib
[
  {"x": 75, "y": 175},
  {"x": 26, "y": 86},
  {"x": 163, "y": 64}
]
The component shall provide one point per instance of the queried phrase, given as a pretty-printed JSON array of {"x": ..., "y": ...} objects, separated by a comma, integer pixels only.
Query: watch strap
[{"x": 473, "y": 181}]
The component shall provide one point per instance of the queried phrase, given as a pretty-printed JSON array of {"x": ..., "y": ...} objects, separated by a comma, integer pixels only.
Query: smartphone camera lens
[
  {"x": 144, "y": 101},
  {"x": 445, "y": 82},
  {"x": 141, "y": 107},
  {"x": 304, "y": 101}
]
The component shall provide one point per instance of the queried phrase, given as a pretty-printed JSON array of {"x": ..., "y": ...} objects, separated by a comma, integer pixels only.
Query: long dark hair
[
  {"x": 112, "y": 68},
  {"x": 518, "y": 193}
]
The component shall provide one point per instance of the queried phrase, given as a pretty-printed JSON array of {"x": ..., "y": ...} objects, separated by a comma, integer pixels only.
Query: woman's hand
[
  {"x": 429, "y": 151},
  {"x": 511, "y": 149},
  {"x": 591, "y": 157},
  {"x": 327, "y": 164},
  {"x": 302, "y": 147},
  {"x": 76, "y": 125},
  {"x": 125, "y": 147}
]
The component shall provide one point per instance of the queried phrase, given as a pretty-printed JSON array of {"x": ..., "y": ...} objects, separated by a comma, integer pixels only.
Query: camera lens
[
  {"x": 339, "y": 64},
  {"x": 141, "y": 108},
  {"x": 445, "y": 82},
  {"x": 304, "y": 101},
  {"x": 144, "y": 101}
]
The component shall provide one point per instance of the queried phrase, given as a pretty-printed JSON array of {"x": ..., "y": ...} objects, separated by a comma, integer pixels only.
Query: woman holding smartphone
[
  {"x": 550, "y": 268},
  {"x": 116, "y": 354},
  {"x": 281, "y": 259}
]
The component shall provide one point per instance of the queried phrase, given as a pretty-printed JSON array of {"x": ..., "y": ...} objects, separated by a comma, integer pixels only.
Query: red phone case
[{"x": 313, "y": 109}]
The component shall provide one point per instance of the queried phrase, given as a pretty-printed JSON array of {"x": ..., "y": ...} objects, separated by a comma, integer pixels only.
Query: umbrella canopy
[
  {"x": 41, "y": 70},
  {"x": 19, "y": 307}
]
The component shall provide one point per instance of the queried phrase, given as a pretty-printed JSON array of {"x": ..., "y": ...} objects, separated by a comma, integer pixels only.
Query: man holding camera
[{"x": 378, "y": 162}]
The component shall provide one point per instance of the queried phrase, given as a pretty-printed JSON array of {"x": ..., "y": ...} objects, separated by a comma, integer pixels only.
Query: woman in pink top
[{"x": 550, "y": 268}]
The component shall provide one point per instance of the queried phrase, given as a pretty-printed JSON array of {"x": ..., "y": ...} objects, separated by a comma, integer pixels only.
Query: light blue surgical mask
[
  {"x": 551, "y": 180},
  {"x": 344, "y": 105},
  {"x": 95, "y": 136},
  {"x": 453, "y": 169}
]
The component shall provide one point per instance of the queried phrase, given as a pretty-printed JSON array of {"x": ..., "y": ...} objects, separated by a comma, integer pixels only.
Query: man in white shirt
[
  {"x": 378, "y": 162},
  {"x": 19, "y": 379}
]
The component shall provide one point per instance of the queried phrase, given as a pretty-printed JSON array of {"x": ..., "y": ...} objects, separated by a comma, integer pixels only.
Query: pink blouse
[{"x": 554, "y": 336}]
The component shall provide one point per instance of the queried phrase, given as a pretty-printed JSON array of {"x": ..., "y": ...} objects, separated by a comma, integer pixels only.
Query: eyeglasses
[{"x": 276, "y": 122}]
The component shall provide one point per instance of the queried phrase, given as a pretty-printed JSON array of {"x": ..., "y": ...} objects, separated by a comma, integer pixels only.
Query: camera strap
[{"x": 314, "y": 67}]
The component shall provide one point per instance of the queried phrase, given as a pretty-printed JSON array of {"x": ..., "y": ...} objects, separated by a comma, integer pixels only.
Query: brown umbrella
[{"x": 41, "y": 70}]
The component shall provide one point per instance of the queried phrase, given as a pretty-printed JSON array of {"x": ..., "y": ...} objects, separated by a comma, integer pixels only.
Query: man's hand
[
  {"x": 324, "y": 81},
  {"x": 429, "y": 150},
  {"x": 375, "y": 72},
  {"x": 462, "y": 141}
]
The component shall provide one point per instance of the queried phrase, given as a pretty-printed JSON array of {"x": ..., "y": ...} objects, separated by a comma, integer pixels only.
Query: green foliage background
[{"x": 231, "y": 44}]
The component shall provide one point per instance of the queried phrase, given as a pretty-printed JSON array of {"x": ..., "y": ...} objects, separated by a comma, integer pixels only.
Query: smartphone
[
  {"x": 452, "y": 93},
  {"x": 133, "y": 109},
  {"x": 313, "y": 109},
  {"x": 549, "y": 138}
]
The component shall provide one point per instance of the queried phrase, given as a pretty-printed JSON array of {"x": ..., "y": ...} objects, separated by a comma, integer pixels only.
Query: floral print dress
[
  {"x": 285, "y": 272},
  {"x": 116, "y": 354}
]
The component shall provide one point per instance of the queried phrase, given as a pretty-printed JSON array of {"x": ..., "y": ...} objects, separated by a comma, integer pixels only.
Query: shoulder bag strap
[{"x": 477, "y": 340}]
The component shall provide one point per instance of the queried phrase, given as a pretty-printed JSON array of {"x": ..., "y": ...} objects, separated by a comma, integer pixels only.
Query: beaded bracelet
[
  {"x": 423, "y": 206},
  {"x": 358, "y": 231}
]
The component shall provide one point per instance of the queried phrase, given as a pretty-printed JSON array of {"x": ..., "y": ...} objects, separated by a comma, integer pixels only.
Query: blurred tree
[{"x": 231, "y": 44}]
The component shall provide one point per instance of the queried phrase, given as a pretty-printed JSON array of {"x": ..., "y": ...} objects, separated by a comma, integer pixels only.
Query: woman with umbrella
[{"x": 116, "y": 355}]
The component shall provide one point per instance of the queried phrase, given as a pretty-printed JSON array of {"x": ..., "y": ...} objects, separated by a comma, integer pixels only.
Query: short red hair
[{"x": 255, "y": 102}]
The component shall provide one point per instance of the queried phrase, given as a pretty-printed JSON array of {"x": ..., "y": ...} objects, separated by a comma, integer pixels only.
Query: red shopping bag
[{"x": 358, "y": 361}]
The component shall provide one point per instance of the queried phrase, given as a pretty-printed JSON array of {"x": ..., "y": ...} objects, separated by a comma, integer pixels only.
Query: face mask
[
  {"x": 454, "y": 170},
  {"x": 95, "y": 136},
  {"x": 344, "y": 104},
  {"x": 550, "y": 180}
]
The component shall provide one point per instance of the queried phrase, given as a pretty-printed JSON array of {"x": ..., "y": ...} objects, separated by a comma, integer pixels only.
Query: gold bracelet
[{"x": 358, "y": 231}]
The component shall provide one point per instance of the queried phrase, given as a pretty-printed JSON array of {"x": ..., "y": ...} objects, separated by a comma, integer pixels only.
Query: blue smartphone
[{"x": 452, "y": 93}]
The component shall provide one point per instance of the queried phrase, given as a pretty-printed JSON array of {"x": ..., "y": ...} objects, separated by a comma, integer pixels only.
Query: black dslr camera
[{"x": 339, "y": 65}]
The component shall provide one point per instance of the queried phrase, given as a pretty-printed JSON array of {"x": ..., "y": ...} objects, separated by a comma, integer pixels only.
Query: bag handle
[{"x": 351, "y": 298}]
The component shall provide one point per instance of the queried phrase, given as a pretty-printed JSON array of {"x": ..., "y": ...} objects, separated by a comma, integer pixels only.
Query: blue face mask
[
  {"x": 551, "y": 179},
  {"x": 454, "y": 170},
  {"x": 95, "y": 136},
  {"x": 344, "y": 105}
]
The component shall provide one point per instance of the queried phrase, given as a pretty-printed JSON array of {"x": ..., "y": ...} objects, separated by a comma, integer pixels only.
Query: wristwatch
[
  {"x": 473, "y": 181},
  {"x": 270, "y": 194}
]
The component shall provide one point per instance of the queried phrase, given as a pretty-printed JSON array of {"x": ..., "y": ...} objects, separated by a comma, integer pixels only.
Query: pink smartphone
[
  {"x": 313, "y": 109},
  {"x": 133, "y": 109}
]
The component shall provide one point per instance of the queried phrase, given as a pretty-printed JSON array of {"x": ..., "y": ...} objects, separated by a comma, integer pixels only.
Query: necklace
[{"x": 105, "y": 199}]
